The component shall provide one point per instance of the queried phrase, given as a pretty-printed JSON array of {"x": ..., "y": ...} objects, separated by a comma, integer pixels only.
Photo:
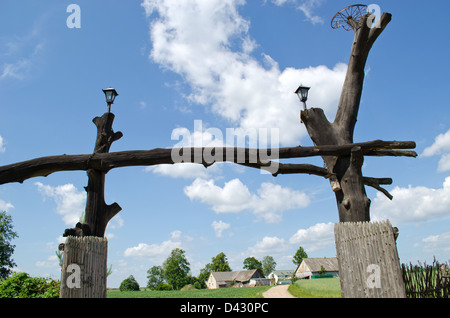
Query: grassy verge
[
  {"x": 316, "y": 288},
  {"x": 245, "y": 292}
]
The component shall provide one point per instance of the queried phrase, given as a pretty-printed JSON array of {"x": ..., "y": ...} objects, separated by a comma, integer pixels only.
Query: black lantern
[
  {"x": 110, "y": 94},
  {"x": 302, "y": 93}
]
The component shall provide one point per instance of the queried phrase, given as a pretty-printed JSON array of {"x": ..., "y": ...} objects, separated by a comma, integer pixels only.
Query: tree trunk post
[
  {"x": 347, "y": 179},
  {"x": 85, "y": 250},
  {"x": 84, "y": 267}
]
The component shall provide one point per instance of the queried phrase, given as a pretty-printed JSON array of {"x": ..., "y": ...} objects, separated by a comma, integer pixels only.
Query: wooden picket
[
  {"x": 84, "y": 267},
  {"x": 368, "y": 260}
]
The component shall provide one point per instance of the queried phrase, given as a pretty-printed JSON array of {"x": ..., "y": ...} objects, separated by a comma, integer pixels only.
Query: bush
[
  {"x": 163, "y": 287},
  {"x": 129, "y": 284},
  {"x": 21, "y": 285}
]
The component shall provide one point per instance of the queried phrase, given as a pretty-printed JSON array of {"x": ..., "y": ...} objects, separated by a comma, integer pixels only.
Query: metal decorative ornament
[{"x": 351, "y": 13}]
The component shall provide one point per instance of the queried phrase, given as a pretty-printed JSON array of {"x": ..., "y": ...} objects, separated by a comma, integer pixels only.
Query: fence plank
[{"x": 369, "y": 266}]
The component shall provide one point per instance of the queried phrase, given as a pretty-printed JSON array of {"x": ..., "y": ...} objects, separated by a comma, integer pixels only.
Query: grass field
[
  {"x": 316, "y": 288},
  {"x": 305, "y": 288},
  {"x": 247, "y": 292}
]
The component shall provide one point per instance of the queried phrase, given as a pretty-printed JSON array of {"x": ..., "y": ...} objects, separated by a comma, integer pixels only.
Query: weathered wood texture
[
  {"x": 98, "y": 213},
  {"x": 352, "y": 201},
  {"x": 84, "y": 269},
  {"x": 44, "y": 166},
  {"x": 369, "y": 265}
]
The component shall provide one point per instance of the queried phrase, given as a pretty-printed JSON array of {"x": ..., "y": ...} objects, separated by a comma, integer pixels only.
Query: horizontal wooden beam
[{"x": 44, "y": 166}]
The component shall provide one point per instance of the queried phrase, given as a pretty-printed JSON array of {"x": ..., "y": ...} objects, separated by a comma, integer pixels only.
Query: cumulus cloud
[
  {"x": 5, "y": 206},
  {"x": 70, "y": 202},
  {"x": 50, "y": 262},
  {"x": 273, "y": 246},
  {"x": 308, "y": 7},
  {"x": 315, "y": 237},
  {"x": 233, "y": 197},
  {"x": 441, "y": 146},
  {"x": 219, "y": 227},
  {"x": 208, "y": 44},
  {"x": 413, "y": 204},
  {"x": 268, "y": 203},
  {"x": 181, "y": 170},
  {"x": 156, "y": 253},
  {"x": 437, "y": 243}
]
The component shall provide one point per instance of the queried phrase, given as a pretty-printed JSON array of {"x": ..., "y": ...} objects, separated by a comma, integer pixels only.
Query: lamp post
[
  {"x": 110, "y": 94},
  {"x": 302, "y": 93}
]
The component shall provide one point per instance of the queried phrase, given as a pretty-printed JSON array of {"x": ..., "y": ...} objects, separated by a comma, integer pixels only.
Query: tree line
[
  {"x": 173, "y": 274},
  {"x": 175, "y": 271}
]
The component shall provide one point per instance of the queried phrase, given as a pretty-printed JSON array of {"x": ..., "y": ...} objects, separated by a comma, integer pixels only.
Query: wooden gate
[{"x": 369, "y": 265}]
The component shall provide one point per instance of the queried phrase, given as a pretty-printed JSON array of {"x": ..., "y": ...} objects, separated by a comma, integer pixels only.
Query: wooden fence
[
  {"x": 427, "y": 281},
  {"x": 369, "y": 265},
  {"x": 84, "y": 267}
]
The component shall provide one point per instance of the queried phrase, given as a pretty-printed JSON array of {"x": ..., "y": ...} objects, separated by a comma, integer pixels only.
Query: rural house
[
  {"x": 281, "y": 274},
  {"x": 313, "y": 266},
  {"x": 247, "y": 278}
]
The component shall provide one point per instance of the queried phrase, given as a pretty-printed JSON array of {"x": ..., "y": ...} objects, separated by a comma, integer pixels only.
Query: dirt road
[{"x": 280, "y": 291}]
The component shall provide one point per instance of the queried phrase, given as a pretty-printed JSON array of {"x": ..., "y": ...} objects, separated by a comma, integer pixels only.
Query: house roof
[
  {"x": 314, "y": 264},
  {"x": 238, "y": 276},
  {"x": 283, "y": 272}
]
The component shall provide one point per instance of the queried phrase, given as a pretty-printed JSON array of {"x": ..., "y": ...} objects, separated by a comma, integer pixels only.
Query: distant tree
[
  {"x": 155, "y": 277},
  {"x": 268, "y": 265},
  {"x": 252, "y": 263},
  {"x": 129, "y": 284},
  {"x": 60, "y": 255},
  {"x": 322, "y": 270},
  {"x": 203, "y": 276},
  {"x": 6, "y": 248},
  {"x": 299, "y": 256},
  {"x": 219, "y": 263},
  {"x": 176, "y": 269}
]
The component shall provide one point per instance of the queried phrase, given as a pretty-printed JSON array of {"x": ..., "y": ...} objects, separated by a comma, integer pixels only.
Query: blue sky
[{"x": 225, "y": 64}]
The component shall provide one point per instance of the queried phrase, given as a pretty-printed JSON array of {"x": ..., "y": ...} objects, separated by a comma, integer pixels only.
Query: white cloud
[
  {"x": 437, "y": 243},
  {"x": 70, "y": 203},
  {"x": 307, "y": 7},
  {"x": 219, "y": 227},
  {"x": 444, "y": 163},
  {"x": 5, "y": 206},
  {"x": 441, "y": 146},
  {"x": 50, "y": 262},
  {"x": 281, "y": 2},
  {"x": 273, "y": 246},
  {"x": 208, "y": 44},
  {"x": 413, "y": 204},
  {"x": 315, "y": 237},
  {"x": 2, "y": 145},
  {"x": 181, "y": 170},
  {"x": 233, "y": 197},
  {"x": 156, "y": 253},
  {"x": 268, "y": 203},
  {"x": 20, "y": 56}
]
